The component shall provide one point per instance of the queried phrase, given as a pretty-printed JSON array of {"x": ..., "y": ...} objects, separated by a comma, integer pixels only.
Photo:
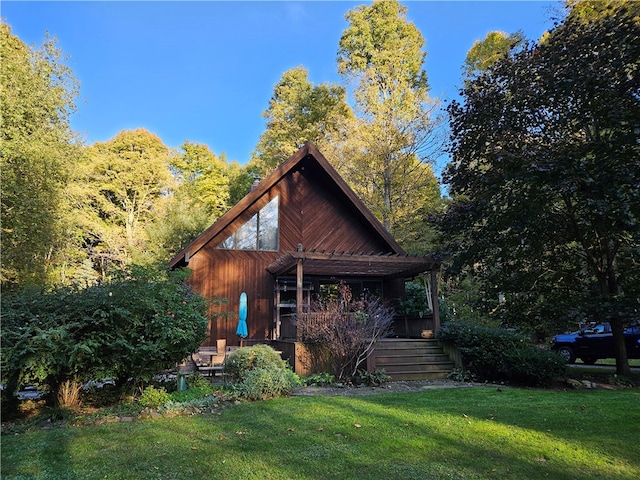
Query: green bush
[
  {"x": 128, "y": 329},
  {"x": 319, "y": 379},
  {"x": 375, "y": 378},
  {"x": 263, "y": 383},
  {"x": 198, "y": 381},
  {"x": 245, "y": 359},
  {"x": 259, "y": 372},
  {"x": 153, "y": 397},
  {"x": 497, "y": 354}
]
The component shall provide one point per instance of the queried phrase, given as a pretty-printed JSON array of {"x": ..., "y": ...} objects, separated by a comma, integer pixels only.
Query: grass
[
  {"x": 611, "y": 362},
  {"x": 471, "y": 433}
]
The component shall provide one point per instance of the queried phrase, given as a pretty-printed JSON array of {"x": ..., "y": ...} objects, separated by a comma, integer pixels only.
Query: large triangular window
[{"x": 260, "y": 232}]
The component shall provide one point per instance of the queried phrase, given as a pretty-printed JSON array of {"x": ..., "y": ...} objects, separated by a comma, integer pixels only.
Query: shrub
[
  {"x": 497, "y": 354},
  {"x": 127, "y": 329},
  {"x": 260, "y": 372},
  {"x": 319, "y": 379},
  {"x": 69, "y": 394},
  {"x": 153, "y": 397},
  {"x": 345, "y": 328},
  {"x": 245, "y": 359},
  {"x": 262, "y": 383},
  {"x": 373, "y": 379},
  {"x": 414, "y": 303},
  {"x": 198, "y": 381}
]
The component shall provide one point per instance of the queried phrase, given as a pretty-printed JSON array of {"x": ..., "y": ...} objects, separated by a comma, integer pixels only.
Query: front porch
[{"x": 301, "y": 275}]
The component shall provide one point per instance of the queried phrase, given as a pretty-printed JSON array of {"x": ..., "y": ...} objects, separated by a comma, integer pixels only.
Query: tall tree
[
  {"x": 300, "y": 111},
  {"x": 202, "y": 177},
  {"x": 545, "y": 172},
  {"x": 37, "y": 95},
  {"x": 381, "y": 55},
  {"x": 199, "y": 197},
  {"x": 489, "y": 50},
  {"x": 117, "y": 190},
  {"x": 241, "y": 178}
]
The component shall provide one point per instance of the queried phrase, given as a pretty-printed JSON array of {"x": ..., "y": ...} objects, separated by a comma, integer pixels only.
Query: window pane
[
  {"x": 228, "y": 243},
  {"x": 268, "y": 234},
  {"x": 246, "y": 235}
]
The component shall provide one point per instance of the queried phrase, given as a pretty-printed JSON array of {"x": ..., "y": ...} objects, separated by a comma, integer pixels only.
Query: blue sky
[{"x": 204, "y": 71}]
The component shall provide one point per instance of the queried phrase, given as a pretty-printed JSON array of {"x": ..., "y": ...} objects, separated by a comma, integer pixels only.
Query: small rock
[{"x": 574, "y": 383}]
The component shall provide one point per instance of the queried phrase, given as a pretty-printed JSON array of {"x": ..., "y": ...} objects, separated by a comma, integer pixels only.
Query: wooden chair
[{"x": 209, "y": 362}]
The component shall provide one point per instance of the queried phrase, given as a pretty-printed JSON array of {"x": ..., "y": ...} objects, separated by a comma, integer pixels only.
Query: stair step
[
  {"x": 406, "y": 343},
  {"x": 391, "y": 369},
  {"x": 400, "y": 376},
  {"x": 412, "y": 359},
  {"x": 398, "y": 357},
  {"x": 409, "y": 351}
]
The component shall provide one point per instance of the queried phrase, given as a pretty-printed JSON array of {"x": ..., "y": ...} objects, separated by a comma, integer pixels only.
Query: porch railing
[
  {"x": 309, "y": 323},
  {"x": 403, "y": 327}
]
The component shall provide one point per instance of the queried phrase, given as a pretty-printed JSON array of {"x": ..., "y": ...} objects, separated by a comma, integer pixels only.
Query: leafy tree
[
  {"x": 37, "y": 95},
  {"x": 381, "y": 55},
  {"x": 128, "y": 329},
  {"x": 116, "y": 193},
  {"x": 545, "y": 173},
  {"x": 177, "y": 222},
  {"x": 241, "y": 178},
  {"x": 298, "y": 112},
  {"x": 488, "y": 51},
  {"x": 199, "y": 197},
  {"x": 202, "y": 177}
]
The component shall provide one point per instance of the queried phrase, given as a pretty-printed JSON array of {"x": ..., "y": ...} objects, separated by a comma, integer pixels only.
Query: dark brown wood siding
[
  {"x": 319, "y": 217},
  {"x": 226, "y": 274},
  {"x": 312, "y": 212}
]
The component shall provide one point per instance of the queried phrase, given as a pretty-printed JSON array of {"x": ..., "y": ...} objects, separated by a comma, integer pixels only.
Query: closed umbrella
[{"x": 241, "y": 331}]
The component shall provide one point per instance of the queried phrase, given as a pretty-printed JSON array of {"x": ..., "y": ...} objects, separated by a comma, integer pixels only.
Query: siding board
[{"x": 316, "y": 209}]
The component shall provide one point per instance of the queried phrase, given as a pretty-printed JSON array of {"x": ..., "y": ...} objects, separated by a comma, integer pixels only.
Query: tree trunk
[
  {"x": 620, "y": 347},
  {"x": 386, "y": 214}
]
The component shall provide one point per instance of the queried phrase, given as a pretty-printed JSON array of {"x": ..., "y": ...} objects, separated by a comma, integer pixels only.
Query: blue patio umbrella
[{"x": 241, "y": 331}]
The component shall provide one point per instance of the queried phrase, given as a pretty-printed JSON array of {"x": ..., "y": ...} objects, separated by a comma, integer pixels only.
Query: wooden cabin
[{"x": 297, "y": 233}]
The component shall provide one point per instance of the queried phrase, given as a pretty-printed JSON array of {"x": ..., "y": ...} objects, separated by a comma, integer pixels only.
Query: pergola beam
[{"x": 352, "y": 264}]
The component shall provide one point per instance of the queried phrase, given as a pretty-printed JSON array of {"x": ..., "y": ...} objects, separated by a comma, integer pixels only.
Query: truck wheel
[{"x": 567, "y": 353}]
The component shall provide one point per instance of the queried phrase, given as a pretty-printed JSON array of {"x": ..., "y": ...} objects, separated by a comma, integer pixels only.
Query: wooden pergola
[{"x": 351, "y": 264}]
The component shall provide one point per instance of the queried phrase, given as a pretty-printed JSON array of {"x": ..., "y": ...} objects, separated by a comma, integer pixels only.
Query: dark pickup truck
[{"x": 595, "y": 342}]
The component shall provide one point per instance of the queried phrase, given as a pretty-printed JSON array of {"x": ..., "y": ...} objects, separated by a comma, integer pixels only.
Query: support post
[
  {"x": 299, "y": 295},
  {"x": 434, "y": 301}
]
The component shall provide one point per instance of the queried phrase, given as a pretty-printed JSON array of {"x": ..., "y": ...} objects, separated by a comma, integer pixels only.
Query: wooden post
[
  {"x": 299, "y": 278},
  {"x": 434, "y": 301}
]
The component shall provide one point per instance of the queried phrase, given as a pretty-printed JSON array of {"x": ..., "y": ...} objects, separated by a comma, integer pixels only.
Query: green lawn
[
  {"x": 470, "y": 433},
  {"x": 612, "y": 362}
]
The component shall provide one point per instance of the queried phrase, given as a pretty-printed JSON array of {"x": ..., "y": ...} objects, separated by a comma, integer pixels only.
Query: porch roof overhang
[{"x": 344, "y": 264}]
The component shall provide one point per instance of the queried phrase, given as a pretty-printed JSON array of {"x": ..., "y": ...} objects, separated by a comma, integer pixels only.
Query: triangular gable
[{"x": 308, "y": 150}]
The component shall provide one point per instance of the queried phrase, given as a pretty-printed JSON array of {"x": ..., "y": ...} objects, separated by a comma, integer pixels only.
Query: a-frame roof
[{"x": 308, "y": 152}]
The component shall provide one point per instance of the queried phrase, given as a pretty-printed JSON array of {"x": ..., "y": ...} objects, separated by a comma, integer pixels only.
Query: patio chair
[{"x": 209, "y": 362}]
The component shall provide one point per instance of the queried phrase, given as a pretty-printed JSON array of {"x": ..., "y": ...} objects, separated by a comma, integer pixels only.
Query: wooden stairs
[{"x": 410, "y": 359}]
